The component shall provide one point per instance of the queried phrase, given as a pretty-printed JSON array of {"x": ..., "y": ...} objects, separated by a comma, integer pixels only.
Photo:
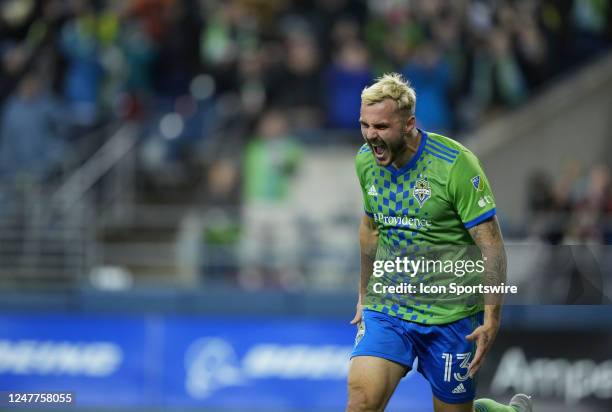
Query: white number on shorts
[
  {"x": 448, "y": 366},
  {"x": 465, "y": 357}
]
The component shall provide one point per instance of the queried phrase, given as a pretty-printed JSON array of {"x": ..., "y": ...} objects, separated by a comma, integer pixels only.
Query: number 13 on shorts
[{"x": 448, "y": 366}]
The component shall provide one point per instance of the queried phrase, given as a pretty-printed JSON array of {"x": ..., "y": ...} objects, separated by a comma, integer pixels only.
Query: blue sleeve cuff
[
  {"x": 479, "y": 219},
  {"x": 370, "y": 214}
]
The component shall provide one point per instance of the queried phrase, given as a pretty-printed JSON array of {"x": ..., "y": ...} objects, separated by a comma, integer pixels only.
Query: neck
[{"x": 412, "y": 145}]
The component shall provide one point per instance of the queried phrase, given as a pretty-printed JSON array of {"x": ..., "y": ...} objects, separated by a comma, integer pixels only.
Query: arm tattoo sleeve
[{"x": 488, "y": 238}]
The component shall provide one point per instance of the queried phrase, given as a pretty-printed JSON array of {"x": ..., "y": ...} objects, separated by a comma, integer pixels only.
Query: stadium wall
[{"x": 222, "y": 351}]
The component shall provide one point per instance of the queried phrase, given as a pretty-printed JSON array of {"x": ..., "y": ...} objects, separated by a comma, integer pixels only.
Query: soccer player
[{"x": 420, "y": 191}]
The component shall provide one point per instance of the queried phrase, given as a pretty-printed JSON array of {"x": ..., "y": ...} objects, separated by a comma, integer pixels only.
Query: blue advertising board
[{"x": 234, "y": 363}]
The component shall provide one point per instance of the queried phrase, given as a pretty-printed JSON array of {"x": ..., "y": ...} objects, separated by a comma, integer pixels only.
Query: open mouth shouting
[{"x": 381, "y": 151}]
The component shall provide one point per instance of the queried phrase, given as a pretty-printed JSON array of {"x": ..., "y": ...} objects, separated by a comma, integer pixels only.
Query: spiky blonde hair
[{"x": 391, "y": 86}]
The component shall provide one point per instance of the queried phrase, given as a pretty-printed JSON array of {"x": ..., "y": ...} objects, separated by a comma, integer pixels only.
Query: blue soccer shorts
[{"x": 443, "y": 352}]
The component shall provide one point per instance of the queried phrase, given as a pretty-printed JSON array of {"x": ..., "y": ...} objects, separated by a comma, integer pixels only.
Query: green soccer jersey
[{"x": 429, "y": 203}]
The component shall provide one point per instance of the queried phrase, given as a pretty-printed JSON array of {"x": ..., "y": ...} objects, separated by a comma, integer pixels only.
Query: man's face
[{"x": 385, "y": 130}]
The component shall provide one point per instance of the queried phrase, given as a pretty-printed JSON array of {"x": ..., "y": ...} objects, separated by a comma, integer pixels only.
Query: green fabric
[
  {"x": 489, "y": 405},
  {"x": 421, "y": 213},
  {"x": 269, "y": 165}
]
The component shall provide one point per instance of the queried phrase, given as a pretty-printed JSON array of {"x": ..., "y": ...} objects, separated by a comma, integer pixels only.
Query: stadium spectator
[
  {"x": 531, "y": 52},
  {"x": 270, "y": 240},
  {"x": 79, "y": 44},
  {"x": 227, "y": 29},
  {"x": 430, "y": 74},
  {"x": 590, "y": 19},
  {"x": 221, "y": 227},
  {"x": 297, "y": 83},
  {"x": 496, "y": 80},
  {"x": 139, "y": 52},
  {"x": 347, "y": 76},
  {"x": 448, "y": 36},
  {"x": 31, "y": 127},
  {"x": 589, "y": 208},
  {"x": 251, "y": 81},
  {"x": 178, "y": 59}
]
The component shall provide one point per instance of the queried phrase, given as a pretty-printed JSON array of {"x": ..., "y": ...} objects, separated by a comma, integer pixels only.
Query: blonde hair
[{"x": 391, "y": 86}]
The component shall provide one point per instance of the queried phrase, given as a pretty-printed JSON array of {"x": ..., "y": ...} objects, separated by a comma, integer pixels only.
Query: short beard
[{"x": 400, "y": 147}]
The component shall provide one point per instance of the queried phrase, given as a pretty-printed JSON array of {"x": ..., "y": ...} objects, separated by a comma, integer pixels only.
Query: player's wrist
[{"x": 492, "y": 322}]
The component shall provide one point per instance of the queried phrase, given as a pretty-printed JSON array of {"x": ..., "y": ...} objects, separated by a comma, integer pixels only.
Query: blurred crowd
[
  {"x": 234, "y": 88},
  {"x": 189, "y": 68},
  {"x": 570, "y": 217},
  {"x": 573, "y": 208}
]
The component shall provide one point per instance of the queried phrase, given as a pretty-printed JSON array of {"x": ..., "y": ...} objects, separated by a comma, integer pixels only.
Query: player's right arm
[
  {"x": 368, "y": 243},
  {"x": 368, "y": 232}
]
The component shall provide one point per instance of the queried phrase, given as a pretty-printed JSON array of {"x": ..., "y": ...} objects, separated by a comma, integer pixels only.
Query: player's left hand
[
  {"x": 358, "y": 315},
  {"x": 484, "y": 336}
]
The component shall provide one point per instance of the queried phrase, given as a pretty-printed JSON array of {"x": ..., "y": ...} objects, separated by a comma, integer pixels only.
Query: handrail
[
  {"x": 46, "y": 239},
  {"x": 84, "y": 178}
]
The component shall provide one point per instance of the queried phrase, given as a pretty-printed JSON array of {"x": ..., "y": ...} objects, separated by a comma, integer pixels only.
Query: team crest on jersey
[
  {"x": 422, "y": 191},
  {"x": 478, "y": 183}
]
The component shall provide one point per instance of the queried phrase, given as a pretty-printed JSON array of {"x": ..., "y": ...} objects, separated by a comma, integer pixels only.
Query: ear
[{"x": 410, "y": 123}]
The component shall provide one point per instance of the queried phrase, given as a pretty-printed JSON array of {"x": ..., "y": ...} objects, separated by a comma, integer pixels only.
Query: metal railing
[{"x": 48, "y": 232}]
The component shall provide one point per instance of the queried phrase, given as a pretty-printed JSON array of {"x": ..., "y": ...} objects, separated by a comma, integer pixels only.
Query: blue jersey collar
[{"x": 413, "y": 160}]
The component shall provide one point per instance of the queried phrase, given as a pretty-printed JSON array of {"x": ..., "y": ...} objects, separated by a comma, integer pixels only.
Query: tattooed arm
[
  {"x": 368, "y": 243},
  {"x": 488, "y": 238}
]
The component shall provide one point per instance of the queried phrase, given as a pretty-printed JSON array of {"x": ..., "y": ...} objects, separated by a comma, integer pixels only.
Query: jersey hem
[{"x": 444, "y": 321}]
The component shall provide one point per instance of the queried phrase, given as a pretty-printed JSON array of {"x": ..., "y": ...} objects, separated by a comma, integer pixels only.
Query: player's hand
[
  {"x": 483, "y": 336},
  {"x": 358, "y": 312}
]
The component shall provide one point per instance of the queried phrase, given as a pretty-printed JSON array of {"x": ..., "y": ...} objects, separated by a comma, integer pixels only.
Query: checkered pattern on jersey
[{"x": 396, "y": 203}]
